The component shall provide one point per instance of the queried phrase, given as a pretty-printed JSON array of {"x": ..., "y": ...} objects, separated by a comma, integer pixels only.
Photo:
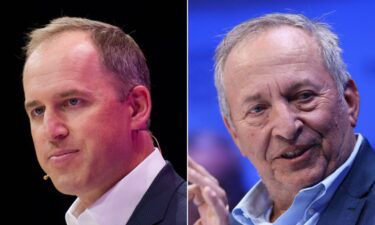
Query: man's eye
[
  {"x": 305, "y": 96},
  {"x": 73, "y": 102},
  {"x": 38, "y": 111},
  {"x": 257, "y": 109}
]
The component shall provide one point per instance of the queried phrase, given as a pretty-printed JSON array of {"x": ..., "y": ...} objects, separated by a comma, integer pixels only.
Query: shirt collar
[
  {"x": 117, "y": 205},
  {"x": 256, "y": 205},
  {"x": 327, "y": 182}
]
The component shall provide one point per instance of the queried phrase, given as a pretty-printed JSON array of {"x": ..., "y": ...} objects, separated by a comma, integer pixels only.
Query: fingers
[
  {"x": 192, "y": 191},
  {"x": 215, "y": 202},
  {"x": 205, "y": 192},
  {"x": 195, "y": 195},
  {"x": 198, "y": 222},
  {"x": 200, "y": 169},
  {"x": 203, "y": 181}
]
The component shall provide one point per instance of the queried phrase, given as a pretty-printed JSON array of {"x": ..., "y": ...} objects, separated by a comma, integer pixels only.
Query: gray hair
[
  {"x": 118, "y": 52},
  {"x": 327, "y": 40}
]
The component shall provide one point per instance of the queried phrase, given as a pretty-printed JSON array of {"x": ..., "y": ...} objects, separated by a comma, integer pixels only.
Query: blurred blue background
[{"x": 209, "y": 20}]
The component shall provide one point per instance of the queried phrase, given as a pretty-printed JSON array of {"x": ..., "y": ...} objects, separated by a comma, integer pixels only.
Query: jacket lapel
[
  {"x": 152, "y": 208},
  {"x": 347, "y": 203}
]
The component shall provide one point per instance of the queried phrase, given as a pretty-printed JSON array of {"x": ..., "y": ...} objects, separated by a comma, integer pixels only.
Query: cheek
[
  {"x": 327, "y": 115},
  {"x": 322, "y": 120},
  {"x": 101, "y": 120},
  {"x": 40, "y": 146},
  {"x": 253, "y": 144},
  {"x": 104, "y": 131},
  {"x": 329, "y": 124}
]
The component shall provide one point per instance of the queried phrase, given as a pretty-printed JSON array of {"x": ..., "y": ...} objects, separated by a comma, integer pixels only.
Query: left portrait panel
[{"x": 98, "y": 119}]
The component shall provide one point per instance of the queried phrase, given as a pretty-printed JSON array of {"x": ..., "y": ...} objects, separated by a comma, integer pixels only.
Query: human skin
[
  {"x": 205, "y": 192},
  {"x": 282, "y": 100},
  {"x": 85, "y": 137}
]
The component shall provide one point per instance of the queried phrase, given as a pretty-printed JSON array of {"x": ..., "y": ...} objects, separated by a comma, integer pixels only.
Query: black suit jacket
[
  {"x": 354, "y": 201},
  {"x": 164, "y": 202}
]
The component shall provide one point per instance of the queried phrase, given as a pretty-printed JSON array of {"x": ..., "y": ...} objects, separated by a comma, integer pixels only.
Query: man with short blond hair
[{"x": 87, "y": 96}]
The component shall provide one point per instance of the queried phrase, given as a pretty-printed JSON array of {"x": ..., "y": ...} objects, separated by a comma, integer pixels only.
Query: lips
[
  {"x": 294, "y": 154},
  {"x": 298, "y": 151},
  {"x": 61, "y": 153}
]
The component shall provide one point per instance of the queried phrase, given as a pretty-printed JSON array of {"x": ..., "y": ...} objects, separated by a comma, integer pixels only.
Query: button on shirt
[
  {"x": 117, "y": 205},
  {"x": 256, "y": 207}
]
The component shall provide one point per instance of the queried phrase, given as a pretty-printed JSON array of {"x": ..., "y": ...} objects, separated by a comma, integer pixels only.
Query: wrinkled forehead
[
  {"x": 275, "y": 44},
  {"x": 272, "y": 47}
]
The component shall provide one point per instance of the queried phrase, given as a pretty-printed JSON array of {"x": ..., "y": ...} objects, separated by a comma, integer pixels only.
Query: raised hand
[{"x": 205, "y": 192}]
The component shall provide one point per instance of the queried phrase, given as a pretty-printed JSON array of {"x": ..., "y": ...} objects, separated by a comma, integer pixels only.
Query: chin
[
  {"x": 66, "y": 186},
  {"x": 308, "y": 179}
]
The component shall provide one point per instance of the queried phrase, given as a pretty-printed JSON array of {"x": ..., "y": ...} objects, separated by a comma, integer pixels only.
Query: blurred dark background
[{"x": 160, "y": 30}]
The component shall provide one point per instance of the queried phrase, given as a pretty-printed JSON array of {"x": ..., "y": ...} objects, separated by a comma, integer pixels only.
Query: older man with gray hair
[{"x": 291, "y": 107}]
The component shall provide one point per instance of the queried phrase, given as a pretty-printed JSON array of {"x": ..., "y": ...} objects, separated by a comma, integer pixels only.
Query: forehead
[
  {"x": 66, "y": 50},
  {"x": 70, "y": 57},
  {"x": 273, "y": 54}
]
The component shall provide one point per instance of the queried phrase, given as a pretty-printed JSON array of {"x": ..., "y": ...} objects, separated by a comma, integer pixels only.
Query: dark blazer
[
  {"x": 164, "y": 202},
  {"x": 354, "y": 201}
]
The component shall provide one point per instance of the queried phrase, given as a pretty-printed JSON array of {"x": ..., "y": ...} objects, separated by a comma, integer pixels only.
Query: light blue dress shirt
[{"x": 256, "y": 207}]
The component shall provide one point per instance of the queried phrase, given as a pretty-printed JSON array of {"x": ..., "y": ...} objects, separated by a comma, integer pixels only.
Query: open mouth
[{"x": 296, "y": 153}]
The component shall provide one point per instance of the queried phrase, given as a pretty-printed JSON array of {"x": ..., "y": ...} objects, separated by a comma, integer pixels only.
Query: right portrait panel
[{"x": 280, "y": 112}]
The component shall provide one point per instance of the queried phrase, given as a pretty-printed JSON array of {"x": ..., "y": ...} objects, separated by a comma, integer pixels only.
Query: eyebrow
[
  {"x": 251, "y": 98},
  {"x": 71, "y": 92},
  {"x": 31, "y": 104},
  {"x": 299, "y": 84},
  {"x": 291, "y": 87},
  {"x": 65, "y": 94}
]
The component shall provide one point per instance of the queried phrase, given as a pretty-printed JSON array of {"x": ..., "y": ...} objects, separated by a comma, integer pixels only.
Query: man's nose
[
  {"x": 54, "y": 127},
  {"x": 286, "y": 124}
]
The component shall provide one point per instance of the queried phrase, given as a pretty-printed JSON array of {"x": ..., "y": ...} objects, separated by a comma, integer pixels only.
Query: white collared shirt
[{"x": 117, "y": 205}]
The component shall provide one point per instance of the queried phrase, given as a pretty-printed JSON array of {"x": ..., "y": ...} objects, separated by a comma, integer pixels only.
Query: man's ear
[
  {"x": 351, "y": 97},
  {"x": 140, "y": 103}
]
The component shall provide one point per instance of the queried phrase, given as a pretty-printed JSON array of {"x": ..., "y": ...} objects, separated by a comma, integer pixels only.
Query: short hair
[
  {"x": 326, "y": 39},
  {"x": 118, "y": 52}
]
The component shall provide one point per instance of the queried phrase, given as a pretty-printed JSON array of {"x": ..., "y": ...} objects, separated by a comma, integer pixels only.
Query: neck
[
  {"x": 282, "y": 200},
  {"x": 142, "y": 146},
  {"x": 277, "y": 212}
]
